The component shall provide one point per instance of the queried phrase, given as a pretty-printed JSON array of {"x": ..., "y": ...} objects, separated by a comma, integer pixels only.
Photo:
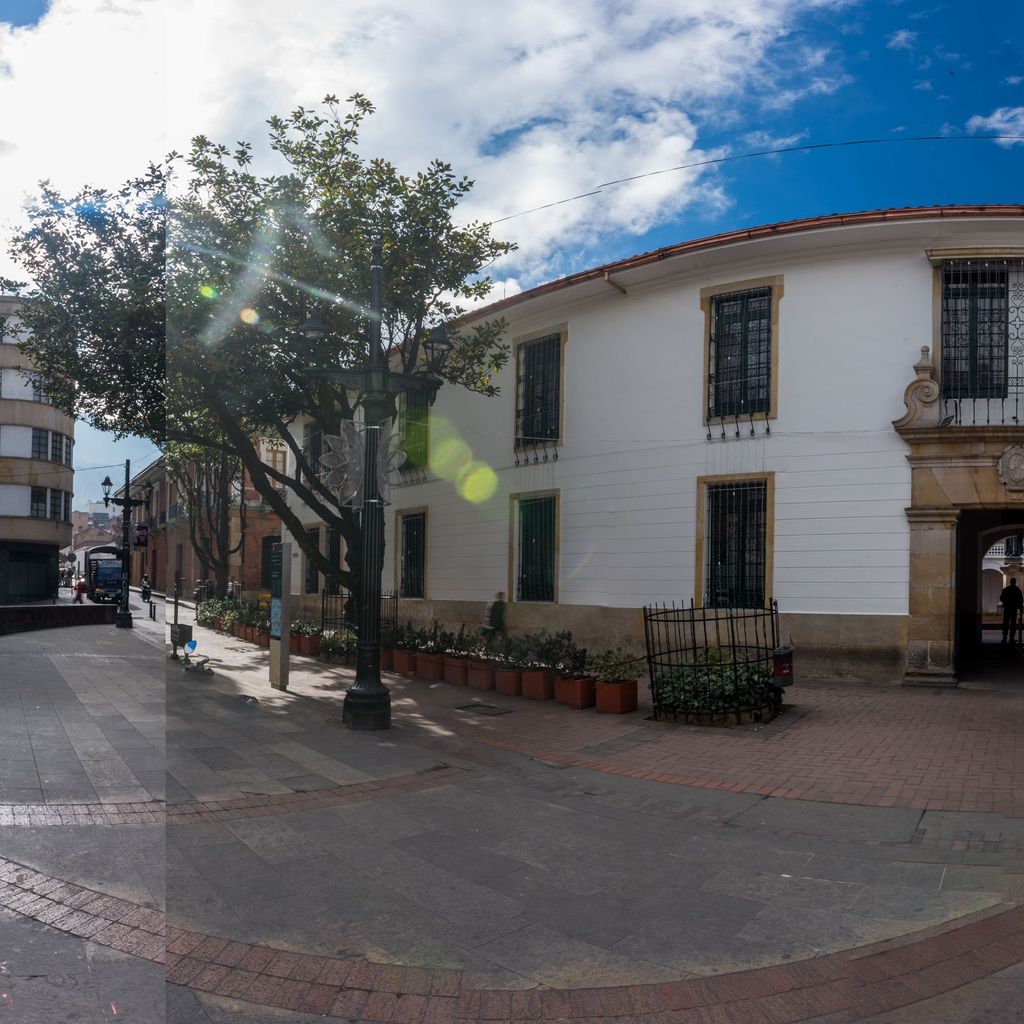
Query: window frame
[
  {"x": 35, "y": 503},
  {"x": 521, "y": 345},
  {"x": 400, "y": 517},
  {"x": 37, "y": 447},
  {"x": 422, "y": 450},
  {"x": 708, "y": 297},
  {"x": 514, "y": 561},
  {"x": 704, "y": 484},
  {"x": 312, "y": 572}
]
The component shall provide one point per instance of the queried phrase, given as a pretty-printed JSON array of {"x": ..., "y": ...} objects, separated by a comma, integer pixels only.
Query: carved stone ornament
[
  {"x": 1011, "y": 468},
  {"x": 921, "y": 396}
]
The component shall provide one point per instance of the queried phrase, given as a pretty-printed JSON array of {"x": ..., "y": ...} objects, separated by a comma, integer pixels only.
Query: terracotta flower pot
[
  {"x": 295, "y": 644},
  {"x": 480, "y": 675},
  {"x": 616, "y": 698},
  {"x": 264, "y": 639},
  {"x": 455, "y": 670},
  {"x": 404, "y": 661},
  {"x": 236, "y": 630},
  {"x": 309, "y": 645},
  {"x": 508, "y": 681},
  {"x": 538, "y": 684},
  {"x": 574, "y": 693},
  {"x": 429, "y": 666},
  {"x": 386, "y": 658}
]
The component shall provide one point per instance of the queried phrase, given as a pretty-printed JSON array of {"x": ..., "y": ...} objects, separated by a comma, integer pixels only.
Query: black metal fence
[
  {"x": 340, "y": 611},
  {"x": 713, "y": 665}
]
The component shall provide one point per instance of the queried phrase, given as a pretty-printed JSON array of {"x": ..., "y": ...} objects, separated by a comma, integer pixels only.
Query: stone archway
[{"x": 959, "y": 474}]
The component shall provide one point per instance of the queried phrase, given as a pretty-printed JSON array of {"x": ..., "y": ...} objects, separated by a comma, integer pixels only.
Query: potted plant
[
  {"x": 456, "y": 658},
  {"x": 480, "y": 669},
  {"x": 263, "y": 629},
  {"x": 295, "y": 637},
  {"x": 573, "y": 687},
  {"x": 388, "y": 634},
  {"x": 430, "y": 653},
  {"x": 405, "y": 650},
  {"x": 309, "y": 639},
  {"x": 617, "y": 671},
  {"x": 509, "y": 653},
  {"x": 538, "y": 675}
]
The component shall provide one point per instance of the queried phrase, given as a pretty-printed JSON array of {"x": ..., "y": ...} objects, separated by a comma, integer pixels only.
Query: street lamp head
[
  {"x": 438, "y": 348},
  {"x": 106, "y": 485},
  {"x": 314, "y": 328}
]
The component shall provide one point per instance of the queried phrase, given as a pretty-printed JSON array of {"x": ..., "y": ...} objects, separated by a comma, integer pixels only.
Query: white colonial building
[{"x": 826, "y": 412}]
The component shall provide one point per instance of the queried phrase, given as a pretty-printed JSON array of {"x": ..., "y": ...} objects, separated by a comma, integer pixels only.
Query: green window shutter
[
  {"x": 735, "y": 544},
  {"x": 535, "y": 578},
  {"x": 413, "y": 555}
]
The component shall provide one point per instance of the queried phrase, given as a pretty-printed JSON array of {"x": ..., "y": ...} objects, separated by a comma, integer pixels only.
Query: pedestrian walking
[
  {"x": 496, "y": 614},
  {"x": 80, "y": 589},
  {"x": 1012, "y": 600}
]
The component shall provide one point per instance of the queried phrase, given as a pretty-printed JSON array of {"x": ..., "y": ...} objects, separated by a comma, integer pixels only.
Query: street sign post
[{"x": 280, "y": 613}]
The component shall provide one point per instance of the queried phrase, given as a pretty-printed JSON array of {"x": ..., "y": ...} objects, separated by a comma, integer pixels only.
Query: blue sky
[{"x": 536, "y": 101}]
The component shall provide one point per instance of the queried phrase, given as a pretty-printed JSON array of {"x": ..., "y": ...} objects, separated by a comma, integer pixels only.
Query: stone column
[{"x": 931, "y": 647}]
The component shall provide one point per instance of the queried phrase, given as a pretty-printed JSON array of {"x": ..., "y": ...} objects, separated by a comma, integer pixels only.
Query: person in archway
[{"x": 1012, "y": 600}]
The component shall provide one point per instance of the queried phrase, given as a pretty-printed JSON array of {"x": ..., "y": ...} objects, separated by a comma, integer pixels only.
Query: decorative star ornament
[{"x": 345, "y": 458}]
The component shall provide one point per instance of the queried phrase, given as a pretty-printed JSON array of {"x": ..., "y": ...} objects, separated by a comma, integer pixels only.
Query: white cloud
[
  {"x": 901, "y": 39},
  {"x": 923, "y": 86},
  {"x": 1002, "y": 121},
  {"x": 536, "y": 100},
  {"x": 1014, "y": 79}
]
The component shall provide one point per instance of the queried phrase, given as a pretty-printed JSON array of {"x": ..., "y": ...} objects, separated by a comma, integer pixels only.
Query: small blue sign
[{"x": 190, "y": 647}]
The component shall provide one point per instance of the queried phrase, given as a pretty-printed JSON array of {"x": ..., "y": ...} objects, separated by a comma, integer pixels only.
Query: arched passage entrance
[{"x": 977, "y": 531}]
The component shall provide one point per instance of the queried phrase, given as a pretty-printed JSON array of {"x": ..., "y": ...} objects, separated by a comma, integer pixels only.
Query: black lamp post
[
  {"x": 368, "y": 701},
  {"x": 123, "y": 618}
]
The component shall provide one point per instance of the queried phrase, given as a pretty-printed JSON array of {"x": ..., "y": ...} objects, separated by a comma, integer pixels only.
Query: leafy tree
[
  {"x": 95, "y": 316},
  {"x": 250, "y": 257},
  {"x": 210, "y": 481}
]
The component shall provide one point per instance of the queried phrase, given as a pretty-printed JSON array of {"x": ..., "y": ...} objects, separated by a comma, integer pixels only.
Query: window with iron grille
[
  {"x": 312, "y": 574},
  {"x": 37, "y": 508},
  {"x": 38, "y": 395},
  {"x": 334, "y": 557},
  {"x": 67, "y": 507},
  {"x": 740, "y": 358},
  {"x": 40, "y": 443},
  {"x": 735, "y": 543},
  {"x": 535, "y": 562},
  {"x": 312, "y": 445},
  {"x": 415, "y": 429},
  {"x": 413, "y": 554},
  {"x": 56, "y": 447},
  {"x": 68, "y": 443},
  {"x": 56, "y": 504},
  {"x": 975, "y": 322},
  {"x": 538, "y": 391}
]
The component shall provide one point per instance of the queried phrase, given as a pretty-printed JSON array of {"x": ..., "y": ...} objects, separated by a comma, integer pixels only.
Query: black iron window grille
[
  {"x": 735, "y": 543},
  {"x": 538, "y": 392},
  {"x": 37, "y": 506},
  {"x": 40, "y": 443},
  {"x": 413, "y": 555},
  {"x": 334, "y": 557},
  {"x": 982, "y": 337},
  {"x": 312, "y": 573},
  {"x": 535, "y": 566},
  {"x": 312, "y": 447},
  {"x": 740, "y": 357},
  {"x": 415, "y": 429}
]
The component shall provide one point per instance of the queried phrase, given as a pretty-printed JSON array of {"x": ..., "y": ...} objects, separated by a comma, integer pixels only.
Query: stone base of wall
[
  {"x": 832, "y": 648},
  {"x": 20, "y": 620}
]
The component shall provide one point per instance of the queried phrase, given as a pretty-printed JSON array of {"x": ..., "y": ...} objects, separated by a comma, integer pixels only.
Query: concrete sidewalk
[{"x": 472, "y": 866}]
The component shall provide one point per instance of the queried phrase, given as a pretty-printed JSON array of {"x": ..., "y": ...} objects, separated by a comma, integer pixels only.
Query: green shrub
[
  {"x": 616, "y": 665},
  {"x": 713, "y": 683}
]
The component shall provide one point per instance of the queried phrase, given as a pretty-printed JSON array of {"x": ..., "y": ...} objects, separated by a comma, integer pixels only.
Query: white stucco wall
[
  {"x": 16, "y": 441},
  {"x": 15, "y": 384},
  {"x": 15, "y": 500}
]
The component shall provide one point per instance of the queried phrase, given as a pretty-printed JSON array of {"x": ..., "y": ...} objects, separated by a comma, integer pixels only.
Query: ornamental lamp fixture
[
  {"x": 106, "y": 485},
  {"x": 314, "y": 329},
  {"x": 437, "y": 348}
]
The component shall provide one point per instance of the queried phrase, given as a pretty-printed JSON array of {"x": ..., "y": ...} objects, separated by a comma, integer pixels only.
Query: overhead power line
[{"x": 598, "y": 189}]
